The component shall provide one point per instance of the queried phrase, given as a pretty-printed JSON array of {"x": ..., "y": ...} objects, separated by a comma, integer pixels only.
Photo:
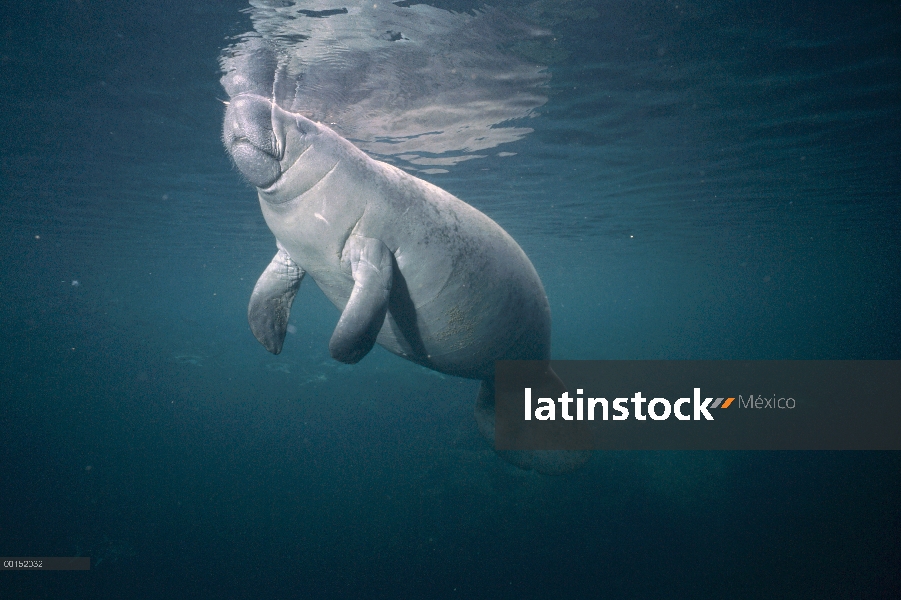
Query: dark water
[{"x": 706, "y": 181}]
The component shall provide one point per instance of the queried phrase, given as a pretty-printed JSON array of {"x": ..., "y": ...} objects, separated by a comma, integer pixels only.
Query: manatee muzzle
[{"x": 250, "y": 138}]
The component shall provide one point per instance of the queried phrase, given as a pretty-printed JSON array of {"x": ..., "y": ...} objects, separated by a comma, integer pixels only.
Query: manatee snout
[{"x": 251, "y": 140}]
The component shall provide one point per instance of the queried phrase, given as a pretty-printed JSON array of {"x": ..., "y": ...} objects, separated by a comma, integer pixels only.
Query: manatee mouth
[
  {"x": 250, "y": 139},
  {"x": 258, "y": 166}
]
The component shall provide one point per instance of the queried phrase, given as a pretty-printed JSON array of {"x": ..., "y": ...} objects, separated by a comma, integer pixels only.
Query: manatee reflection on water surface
[{"x": 415, "y": 85}]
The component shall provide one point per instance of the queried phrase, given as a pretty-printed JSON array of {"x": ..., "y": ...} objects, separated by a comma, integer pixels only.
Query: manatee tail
[{"x": 546, "y": 462}]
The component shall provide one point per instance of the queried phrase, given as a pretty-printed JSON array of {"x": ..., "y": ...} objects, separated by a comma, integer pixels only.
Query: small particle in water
[
  {"x": 88, "y": 468},
  {"x": 75, "y": 283},
  {"x": 292, "y": 329}
]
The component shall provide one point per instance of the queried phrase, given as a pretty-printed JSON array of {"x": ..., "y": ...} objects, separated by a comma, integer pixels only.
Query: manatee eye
[{"x": 304, "y": 126}]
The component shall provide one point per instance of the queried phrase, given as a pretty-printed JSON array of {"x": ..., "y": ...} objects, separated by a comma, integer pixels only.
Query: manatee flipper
[
  {"x": 270, "y": 302},
  {"x": 372, "y": 269},
  {"x": 546, "y": 462}
]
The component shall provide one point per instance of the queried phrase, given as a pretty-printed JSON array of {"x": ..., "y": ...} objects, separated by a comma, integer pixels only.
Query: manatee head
[
  {"x": 252, "y": 141},
  {"x": 262, "y": 138}
]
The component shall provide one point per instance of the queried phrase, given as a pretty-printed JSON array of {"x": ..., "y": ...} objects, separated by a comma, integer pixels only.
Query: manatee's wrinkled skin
[{"x": 410, "y": 266}]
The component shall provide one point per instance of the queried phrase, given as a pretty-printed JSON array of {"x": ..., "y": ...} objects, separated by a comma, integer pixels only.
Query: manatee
[{"x": 409, "y": 266}]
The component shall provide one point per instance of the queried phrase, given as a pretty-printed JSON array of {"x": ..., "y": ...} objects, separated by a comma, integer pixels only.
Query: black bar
[{"x": 45, "y": 563}]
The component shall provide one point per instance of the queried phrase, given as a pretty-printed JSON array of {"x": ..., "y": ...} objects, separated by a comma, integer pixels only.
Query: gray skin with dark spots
[{"x": 410, "y": 266}]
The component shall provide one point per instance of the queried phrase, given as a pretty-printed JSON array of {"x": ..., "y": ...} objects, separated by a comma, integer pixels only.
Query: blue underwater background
[{"x": 706, "y": 181}]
